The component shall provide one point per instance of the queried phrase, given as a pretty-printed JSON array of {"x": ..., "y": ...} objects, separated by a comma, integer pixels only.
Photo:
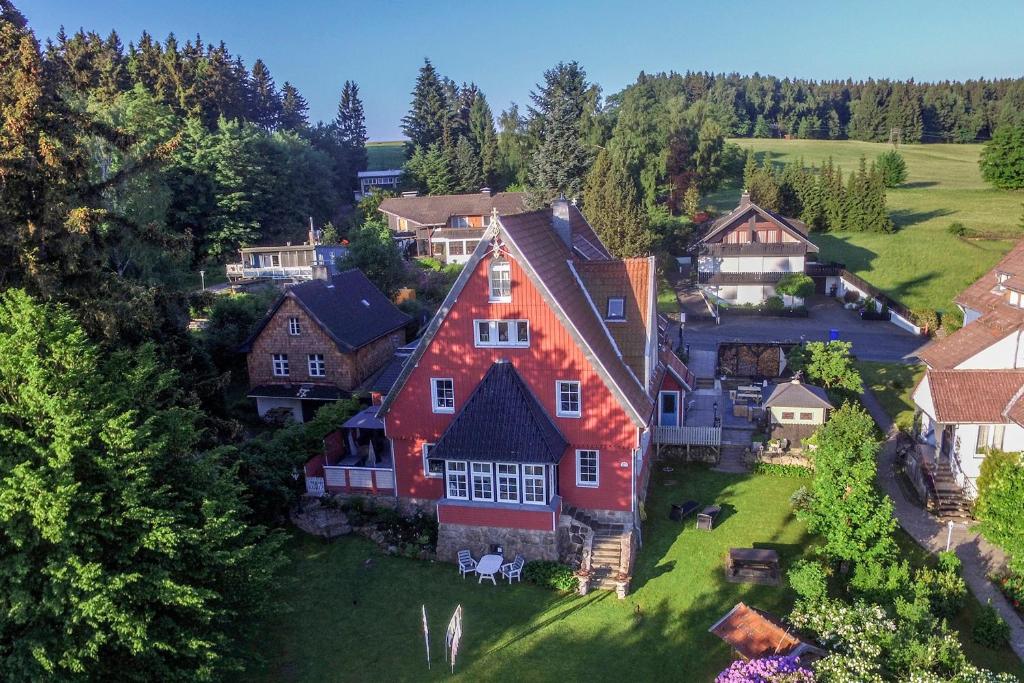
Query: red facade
[{"x": 552, "y": 355}]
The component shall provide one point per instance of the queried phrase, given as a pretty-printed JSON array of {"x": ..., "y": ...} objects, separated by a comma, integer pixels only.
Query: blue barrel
[{"x": 833, "y": 335}]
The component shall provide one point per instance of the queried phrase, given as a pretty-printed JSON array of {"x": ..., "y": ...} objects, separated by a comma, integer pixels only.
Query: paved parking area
[{"x": 872, "y": 340}]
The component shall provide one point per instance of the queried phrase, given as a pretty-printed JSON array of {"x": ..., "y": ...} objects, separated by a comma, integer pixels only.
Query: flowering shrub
[
  {"x": 1012, "y": 586},
  {"x": 767, "y": 670}
]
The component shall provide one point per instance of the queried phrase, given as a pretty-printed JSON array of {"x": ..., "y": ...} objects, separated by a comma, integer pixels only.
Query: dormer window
[
  {"x": 1000, "y": 279},
  {"x": 616, "y": 308},
  {"x": 460, "y": 221},
  {"x": 500, "y": 281}
]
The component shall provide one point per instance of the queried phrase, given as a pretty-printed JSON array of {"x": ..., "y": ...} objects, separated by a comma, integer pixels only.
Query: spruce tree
[
  {"x": 484, "y": 137},
  {"x": 834, "y": 194},
  {"x": 561, "y": 160},
  {"x": 877, "y": 217},
  {"x": 350, "y": 127},
  {"x": 294, "y": 109},
  {"x": 834, "y": 125},
  {"x": 513, "y": 148},
  {"x": 613, "y": 209},
  {"x": 265, "y": 102},
  {"x": 466, "y": 167},
  {"x": 426, "y": 121},
  {"x": 761, "y": 128}
]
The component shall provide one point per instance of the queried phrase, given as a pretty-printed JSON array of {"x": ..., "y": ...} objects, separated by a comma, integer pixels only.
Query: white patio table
[{"x": 488, "y": 566}]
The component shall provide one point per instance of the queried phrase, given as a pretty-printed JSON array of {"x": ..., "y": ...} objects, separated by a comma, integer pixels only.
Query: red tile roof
[
  {"x": 981, "y": 297},
  {"x": 969, "y": 340},
  {"x": 437, "y": 209},
  {"x": 754, "y": 634},
  {"x": 975, "y": 396}
]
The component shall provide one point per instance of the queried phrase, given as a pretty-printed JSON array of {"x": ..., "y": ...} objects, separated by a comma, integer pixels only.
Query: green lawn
[
  {"x": 355, "y": 613},
  {"x": 383, "y": 156},
  {"x": 893, "y": 384},
  {"x": 921, "y": 265}
]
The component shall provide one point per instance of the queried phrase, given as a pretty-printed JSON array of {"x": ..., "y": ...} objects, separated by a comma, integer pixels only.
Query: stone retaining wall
[{"x": 531, "y": 544}]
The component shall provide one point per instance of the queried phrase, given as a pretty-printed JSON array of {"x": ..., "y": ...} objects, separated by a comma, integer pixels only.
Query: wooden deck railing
[
  {"x": 364, "y": 479},
  {"x": 691, "y": 436}
]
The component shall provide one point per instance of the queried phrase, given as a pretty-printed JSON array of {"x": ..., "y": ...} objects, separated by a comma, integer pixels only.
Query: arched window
[{"x": 500, "y": 280}]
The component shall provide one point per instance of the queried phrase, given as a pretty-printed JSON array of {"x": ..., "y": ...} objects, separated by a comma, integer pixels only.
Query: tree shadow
[
  {"x": 836, "y": 248},
  {"x": 904, "y": 218},
  {"x": 917, "y": 184}
]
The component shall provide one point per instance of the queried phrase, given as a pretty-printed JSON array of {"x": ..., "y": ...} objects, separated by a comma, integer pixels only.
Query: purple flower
[{"x": 766, "y": 670}]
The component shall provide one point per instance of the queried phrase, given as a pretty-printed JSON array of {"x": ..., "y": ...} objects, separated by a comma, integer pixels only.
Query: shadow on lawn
[
  {"x": 904, "y": 218},
  {"x": 917, "y": 185},
  {"x": 571, "y": 603}
]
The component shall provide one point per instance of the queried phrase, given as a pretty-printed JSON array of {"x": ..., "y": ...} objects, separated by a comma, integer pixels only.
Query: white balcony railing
[{"x": 366, "y": 479}]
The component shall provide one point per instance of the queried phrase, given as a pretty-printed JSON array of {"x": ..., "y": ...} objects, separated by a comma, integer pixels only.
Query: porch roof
[
  {"x": 365, "y": 419},
  {"x": 502, "y": 421}
]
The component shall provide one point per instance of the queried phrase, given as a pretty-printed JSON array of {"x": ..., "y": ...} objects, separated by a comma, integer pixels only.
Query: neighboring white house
[
  {"x": 369, "y": 181},
  {"x": 972, "y": 396},
  {"x": 745, "y": 253}
]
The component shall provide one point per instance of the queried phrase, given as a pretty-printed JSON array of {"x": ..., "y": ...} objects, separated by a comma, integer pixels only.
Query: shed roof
[
  {"x": 754, "y": 634},
  {"x": 796, "y": 394},
  {"x": 502, "y": 421}
]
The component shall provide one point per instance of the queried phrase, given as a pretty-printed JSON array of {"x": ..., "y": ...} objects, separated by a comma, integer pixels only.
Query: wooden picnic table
[{"x": 753, "y": 564}]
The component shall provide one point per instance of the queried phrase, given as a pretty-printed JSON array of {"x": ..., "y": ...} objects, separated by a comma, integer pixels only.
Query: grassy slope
[
  {"x": 357, "y": 621},
  {"x": 893, "y": 384},
  {"x": 921, "y": 265},
  {"x": 382, "y": 156}
]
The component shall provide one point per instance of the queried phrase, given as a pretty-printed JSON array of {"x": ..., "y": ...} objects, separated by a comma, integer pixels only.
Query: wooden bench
[
  {"x": 680, "y": 511},
  {"x": 706, "y": 517},
  {"x": 752, "y": 565}
]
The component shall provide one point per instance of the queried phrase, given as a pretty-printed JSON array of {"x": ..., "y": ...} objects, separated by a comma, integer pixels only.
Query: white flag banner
[
  {"x": 426, "y": 635},
  {"x": 453, "y": 636}
]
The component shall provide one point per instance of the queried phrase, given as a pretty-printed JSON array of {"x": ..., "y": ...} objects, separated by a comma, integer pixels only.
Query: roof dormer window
[
  {"x": 616, "y": 308},
  {"x": 1000, "y": 279}
]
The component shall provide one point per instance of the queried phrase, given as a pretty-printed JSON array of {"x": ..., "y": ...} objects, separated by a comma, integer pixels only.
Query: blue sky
[{"x": 505, "y": 47}]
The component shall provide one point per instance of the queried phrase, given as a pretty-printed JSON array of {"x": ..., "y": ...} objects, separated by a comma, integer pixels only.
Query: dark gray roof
[
  {"x": 385, "y": 378},
  {"x": 798, "y": 395},
  {"x": 502, "y": 421},
  {"x": 349, "y": 308}
]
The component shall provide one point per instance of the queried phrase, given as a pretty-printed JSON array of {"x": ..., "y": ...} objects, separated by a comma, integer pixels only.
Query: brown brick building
[{"x": 320, "y": 341}]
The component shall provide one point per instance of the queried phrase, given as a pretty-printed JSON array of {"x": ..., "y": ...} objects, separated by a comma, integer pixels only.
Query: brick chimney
[
  {"x": 560, "y": 219},
  {"x": 744, "y": 199}
]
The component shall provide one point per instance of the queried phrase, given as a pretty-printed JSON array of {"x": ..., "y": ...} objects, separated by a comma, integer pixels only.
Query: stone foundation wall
[
  {"x": 531, "y": 544},
  {"x": 575, "y": 540}
]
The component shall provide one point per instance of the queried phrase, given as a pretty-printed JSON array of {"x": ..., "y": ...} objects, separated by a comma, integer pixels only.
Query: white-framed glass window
[
  {"x": 457, "y": 479},
  {"x": 502, "y": 332},
  {"x": 280, "y": 364},
  {"x": 317, "y": 366},
  {"x": 442, "y": 394},
  {"x": 294, "y": 327},
  {"x": 500, "y": 280},
  {"x": 534, "y": 485},
  {"x": 483, "y": 481},
  {"x": 432, "y": 467},
  {"x": 586, "y": 468},
  {"x": 989, "y": 436},
  {"x": 508, "y": 482},
  {"x": 567, "y": 399},
  {"x": 460, "y": 221},
  {"x": 456, "y": 248},
  {"x": 616, "y": 308}
]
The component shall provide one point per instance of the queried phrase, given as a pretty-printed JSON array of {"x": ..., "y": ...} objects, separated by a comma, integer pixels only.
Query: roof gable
[
  {"x": 798, "y": 395},
  {"x": 744, "y": 211},
  {"x": 437, "y": 209},
  {"x": 501, "y": 421}
]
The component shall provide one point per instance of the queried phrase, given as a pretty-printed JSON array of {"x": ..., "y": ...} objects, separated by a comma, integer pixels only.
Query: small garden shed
[{"x": 795, "y": 410}]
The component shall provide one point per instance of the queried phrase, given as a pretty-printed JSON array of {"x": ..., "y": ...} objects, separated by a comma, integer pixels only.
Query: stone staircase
[
  {"x": 606, "y": 558},
  {"x": 951, "y": 503}
]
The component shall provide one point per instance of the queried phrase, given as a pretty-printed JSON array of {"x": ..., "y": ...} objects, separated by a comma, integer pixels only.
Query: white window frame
[
  {"x": 482, "y": 472},
  {"x": 456, "y": 469},
  {"x": 580, "y": 481},
  {"x": 434, "y": 395},
  {"x": 533, "y": 478},
  {"x": 493, "y": 337},
  {"x": 294, "y": 327},
  {"x": 507, "y": 472},
  {"x": 279, "y": 364},
  {"x": 426, "y": 463},
  {"x": 559, "y": 410},
  {"x": 499, "y": 266},
  {"x": 315, "y": 362},
  {"x": 621, "y": 316},
  {"x": 994, "y": 437}
]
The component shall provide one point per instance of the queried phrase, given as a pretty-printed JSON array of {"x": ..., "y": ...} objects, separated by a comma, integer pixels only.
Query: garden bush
[
  {"x": 774, "y": 303},
  {"x": 550, "y": 574},
  {"x": 990, "y": 630},
  {"x": 1012, "y": 586},
  {"x": 809, "y": 579},
  {"x": 943, "y": 586},
  {"x": 778, "y": 470}
]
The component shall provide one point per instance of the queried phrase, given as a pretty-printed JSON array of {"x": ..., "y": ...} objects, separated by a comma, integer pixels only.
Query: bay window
[
  {"x": 458, "y": 481},
  {"x": 508, "y": 483},
  {"x": 534, "y": 489},
  {"x": 483, "y": 481}
]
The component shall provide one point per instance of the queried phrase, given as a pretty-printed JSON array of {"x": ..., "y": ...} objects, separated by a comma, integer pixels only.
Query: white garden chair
[
  {"x": 514, "y": 569},
  {"x": 467, "y": 565}
]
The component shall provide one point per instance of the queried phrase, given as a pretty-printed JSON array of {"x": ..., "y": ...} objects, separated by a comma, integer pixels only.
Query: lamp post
[{"x": 202, "y": 278}]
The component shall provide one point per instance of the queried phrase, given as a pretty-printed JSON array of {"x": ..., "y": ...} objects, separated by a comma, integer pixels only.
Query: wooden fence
[{"x": 688, "y": 436}]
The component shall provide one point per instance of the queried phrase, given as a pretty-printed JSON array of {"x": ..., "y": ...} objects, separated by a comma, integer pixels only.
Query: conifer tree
[
  {"x": 513, "y": 148},
  {"x": 264, "y": 102},
  {"x": 294, "y": 109},
  {"x": 484, "y": 137},
  {"x": 466, "y": 167},
  {"x": 613, "y": 209},
  {"x": 834, "y": 195},
  {"x": 426, "y": 121},
  {"x": 350, "y": 125},
  {"x": 761, "y": 128}
]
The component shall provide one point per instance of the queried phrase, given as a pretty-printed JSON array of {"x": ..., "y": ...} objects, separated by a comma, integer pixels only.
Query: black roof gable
[
  {"x": 349, "y": 308},
  {"x": 502, "y": 421}
]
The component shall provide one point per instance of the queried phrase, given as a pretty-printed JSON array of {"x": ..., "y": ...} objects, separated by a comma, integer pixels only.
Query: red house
[{"x": 524, "y": 416}]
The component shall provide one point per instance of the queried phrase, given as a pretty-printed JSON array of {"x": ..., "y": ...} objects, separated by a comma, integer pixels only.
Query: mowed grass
[
  {"x": 354, "y": 613},
  {"x": 921, "y": 265},
  {"x": 893, "y": 385},
  {"x": 383, "y": 156}
]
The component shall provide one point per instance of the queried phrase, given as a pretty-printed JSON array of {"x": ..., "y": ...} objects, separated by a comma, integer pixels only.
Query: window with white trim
[
  {"x": 294, "y": 327},
  {"x": 432, "y": 467},
  {"x": 616, "y": 308},
  {"x": 500, "y": 281},
  {"x": 508, "y": 482},
  {"x": 586, "y": 468},
  {"x": 502, "y": 332},
  {"x": 457, "y": 479},
  {"x": 317, "y": 366},
  {"x": 483, "y": 481},
  {"x": 442, "y": 395},
  {"x": 534, "y": 485},
  {"x": 568, "y": 399},
  {"x": 280, "y": 364},
  {"x": 460, "y": 221}
]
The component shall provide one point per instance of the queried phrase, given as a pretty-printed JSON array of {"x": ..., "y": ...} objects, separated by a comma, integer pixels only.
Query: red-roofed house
[
  {"x": 970, "y": 399},
  {"x": 529, "y": 404}
]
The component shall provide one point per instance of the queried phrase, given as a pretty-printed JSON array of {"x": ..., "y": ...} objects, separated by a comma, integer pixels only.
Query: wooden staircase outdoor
[{"x": 951, "y": 503}]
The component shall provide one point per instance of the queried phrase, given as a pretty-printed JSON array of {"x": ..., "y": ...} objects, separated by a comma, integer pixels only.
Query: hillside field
[
  {"x": 921, "y": 265},
  {"x": 383, "y": 156}
]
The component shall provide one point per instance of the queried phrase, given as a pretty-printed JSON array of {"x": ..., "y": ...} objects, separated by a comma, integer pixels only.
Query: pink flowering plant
[{"x": 767, "y": 670}]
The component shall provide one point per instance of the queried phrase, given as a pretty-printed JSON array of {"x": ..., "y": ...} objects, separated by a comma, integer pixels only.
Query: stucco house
[
  {"x": 746, "y": 252},
  {"x": 970, "y": 399},
  {"x": 320, "y": 341},
  {"x": 794, "y": 410}
]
